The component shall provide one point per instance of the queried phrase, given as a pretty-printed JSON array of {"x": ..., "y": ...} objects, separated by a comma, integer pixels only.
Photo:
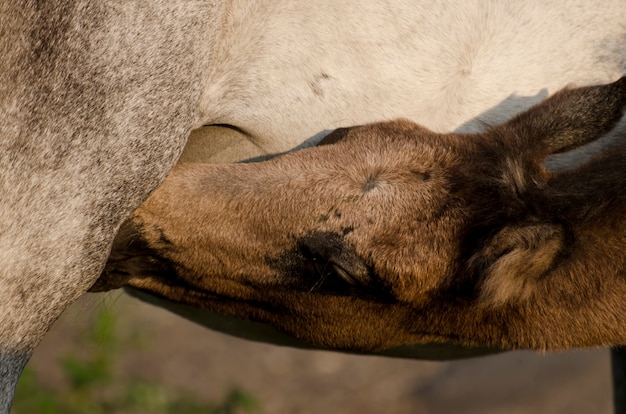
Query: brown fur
[{"x": 392, "y": 234}]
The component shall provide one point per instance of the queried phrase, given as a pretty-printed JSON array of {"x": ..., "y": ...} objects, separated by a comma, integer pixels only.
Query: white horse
[{"x": 97, "y": 101}]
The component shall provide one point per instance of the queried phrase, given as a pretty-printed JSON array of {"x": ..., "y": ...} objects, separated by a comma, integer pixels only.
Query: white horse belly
[{"x": 286, "y": 71}]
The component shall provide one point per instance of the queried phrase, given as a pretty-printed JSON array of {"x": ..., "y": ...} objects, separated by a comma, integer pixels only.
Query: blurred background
[{"x": 110, "y": 353}]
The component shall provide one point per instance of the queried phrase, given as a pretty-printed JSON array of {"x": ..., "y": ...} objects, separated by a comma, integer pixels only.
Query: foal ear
[
  {"x": 570, "y": 118},
  {"x": 514, "y": 260}
]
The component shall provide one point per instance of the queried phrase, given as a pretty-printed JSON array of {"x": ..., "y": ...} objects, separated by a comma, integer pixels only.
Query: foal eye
[
  {"x": 332, "y": 278},
  {"x": 327, "y": 276},
  {"x": 331, "y": 265},
  {"x": 343, "y": 274}
]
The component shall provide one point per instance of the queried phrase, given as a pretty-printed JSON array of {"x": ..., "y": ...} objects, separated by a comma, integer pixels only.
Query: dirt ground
[{"x": 165, "y": 349}]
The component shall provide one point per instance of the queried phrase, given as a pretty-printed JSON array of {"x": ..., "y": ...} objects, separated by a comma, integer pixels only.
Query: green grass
[{"x": 93, "y": 388}]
